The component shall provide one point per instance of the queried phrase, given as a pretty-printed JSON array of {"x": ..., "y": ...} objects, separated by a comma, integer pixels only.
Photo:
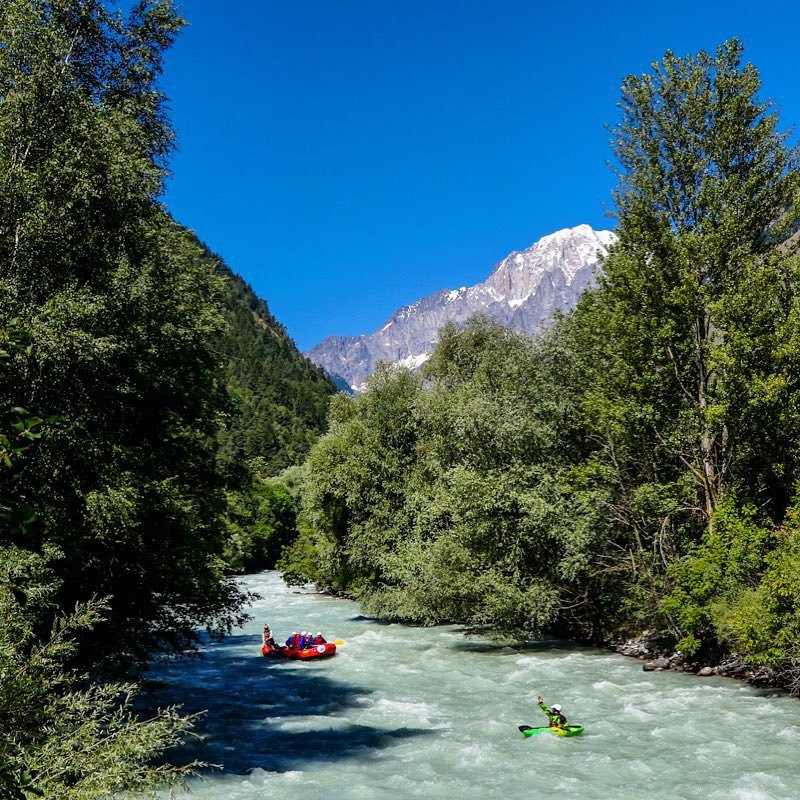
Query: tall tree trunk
[{"x": 711, "y": 475}]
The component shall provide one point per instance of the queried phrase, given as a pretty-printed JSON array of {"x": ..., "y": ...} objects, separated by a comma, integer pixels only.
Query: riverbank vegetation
[
  {"x": 633, "y": 468},
  {"x": 132, "y": 364},
  {"x": 636, "y": 467}
]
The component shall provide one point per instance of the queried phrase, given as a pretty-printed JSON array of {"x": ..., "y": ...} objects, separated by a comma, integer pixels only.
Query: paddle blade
[
  {"x": 340, "y": 642},
  {"x": 524, "y": 728}
]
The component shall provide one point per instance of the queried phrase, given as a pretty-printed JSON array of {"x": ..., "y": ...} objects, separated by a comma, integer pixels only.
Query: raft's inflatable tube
[
  {"x": 569, "y": 730},
  {"x": 315, "y": 651}
]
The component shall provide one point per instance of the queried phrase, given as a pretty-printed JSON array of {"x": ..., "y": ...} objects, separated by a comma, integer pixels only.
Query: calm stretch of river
[{"x": 423, "y": 712}]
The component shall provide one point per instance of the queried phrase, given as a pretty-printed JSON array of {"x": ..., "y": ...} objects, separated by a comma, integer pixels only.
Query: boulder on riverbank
[
  {"x": 648, "y": 645},
  {"x": 660, "y": 657}
]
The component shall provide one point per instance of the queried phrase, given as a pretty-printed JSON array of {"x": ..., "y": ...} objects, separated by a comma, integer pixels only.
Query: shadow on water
[
  {"x": 522, "y": 648},
  {"x": 266, "y": 713},
  {"x": 379, "y": 621}
]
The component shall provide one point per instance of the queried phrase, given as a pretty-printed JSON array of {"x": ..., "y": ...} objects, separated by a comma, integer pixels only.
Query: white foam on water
[
  {"x": 711, "y": 751},
  {"x": 406, "y": 712},
  {"x": 368, "y": 637},
  {"x": 792, "y": 734},
  {"x": 757, "y": 786},
  {"x": 407, "y": 709},
  {"x": 605, "y": 685}
]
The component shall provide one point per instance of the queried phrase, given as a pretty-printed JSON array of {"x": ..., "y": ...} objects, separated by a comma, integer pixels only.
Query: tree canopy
[
  {"x": 132, "y": 366},
  {"x": 635, "y": 468}
]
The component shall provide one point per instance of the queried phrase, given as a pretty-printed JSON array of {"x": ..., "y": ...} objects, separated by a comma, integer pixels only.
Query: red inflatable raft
[{"x": 315, "y": 651}]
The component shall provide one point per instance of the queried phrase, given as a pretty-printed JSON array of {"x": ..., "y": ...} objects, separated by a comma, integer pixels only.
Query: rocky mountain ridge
[{"x": 522, "y": 291}]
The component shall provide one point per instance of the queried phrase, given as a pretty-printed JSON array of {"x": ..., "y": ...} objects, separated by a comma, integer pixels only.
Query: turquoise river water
[{"x": 403, "y": 711}]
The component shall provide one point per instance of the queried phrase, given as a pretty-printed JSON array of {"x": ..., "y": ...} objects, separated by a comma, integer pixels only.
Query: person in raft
[
  {"x": 268, "y": 643},
  {"x": 319, "y": 639},
  {"x": 557, "y": 719},
  {"x": 267, "y": 639},
  {"x": 292, "y": 640}
]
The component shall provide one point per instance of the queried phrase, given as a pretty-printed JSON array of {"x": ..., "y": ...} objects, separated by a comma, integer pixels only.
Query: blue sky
[{"x": 349, "y": 156}]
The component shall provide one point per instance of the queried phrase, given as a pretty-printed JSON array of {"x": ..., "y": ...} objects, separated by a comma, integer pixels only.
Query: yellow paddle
[{"x": 340, "y": 642}]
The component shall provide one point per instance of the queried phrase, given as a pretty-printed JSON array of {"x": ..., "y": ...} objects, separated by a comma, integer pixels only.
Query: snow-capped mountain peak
[{"x": 522, "y": 291}]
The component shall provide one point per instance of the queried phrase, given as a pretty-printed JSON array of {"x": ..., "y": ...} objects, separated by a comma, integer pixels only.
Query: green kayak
[{"x": 570, "y": 730}]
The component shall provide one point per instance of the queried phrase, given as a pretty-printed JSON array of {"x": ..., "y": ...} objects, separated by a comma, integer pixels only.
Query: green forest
[
  {"x": 635, "y": 468},
  {"x": 148, "y": 403},
  {"x": 632, "y": 469}
]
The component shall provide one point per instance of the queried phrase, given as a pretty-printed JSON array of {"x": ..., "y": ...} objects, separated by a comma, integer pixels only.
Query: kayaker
[{"x": 557, "y": 719}]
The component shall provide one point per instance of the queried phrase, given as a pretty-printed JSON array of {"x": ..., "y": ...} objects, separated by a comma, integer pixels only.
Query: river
[{"x": 403, "y": 712}]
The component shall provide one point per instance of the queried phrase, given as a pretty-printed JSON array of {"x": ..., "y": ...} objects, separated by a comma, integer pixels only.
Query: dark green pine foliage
[{"x": 278, "y": 399}]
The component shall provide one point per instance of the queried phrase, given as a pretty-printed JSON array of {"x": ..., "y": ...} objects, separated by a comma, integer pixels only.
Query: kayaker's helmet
[
  {"x": 556, "y": 707},
  {"x": 319, "y": 633}
]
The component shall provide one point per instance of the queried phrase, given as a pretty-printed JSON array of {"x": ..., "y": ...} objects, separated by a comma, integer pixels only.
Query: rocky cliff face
[{"x": 522, "y": 291}]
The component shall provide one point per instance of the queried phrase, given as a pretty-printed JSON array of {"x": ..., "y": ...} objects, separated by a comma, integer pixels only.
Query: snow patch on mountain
[{"x": 414, "y": 362}]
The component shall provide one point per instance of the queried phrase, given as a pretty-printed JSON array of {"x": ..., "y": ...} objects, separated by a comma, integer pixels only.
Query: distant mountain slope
[
  {"x": 279, "y": 399},
  {"x": 522, "y": 291}
]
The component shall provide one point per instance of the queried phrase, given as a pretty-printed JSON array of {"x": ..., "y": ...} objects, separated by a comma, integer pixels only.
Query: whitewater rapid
[{"x": 403, "y": 712}]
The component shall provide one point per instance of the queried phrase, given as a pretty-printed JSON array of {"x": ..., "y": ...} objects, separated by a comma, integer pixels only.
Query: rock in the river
[
  {"x": 656, "y": 664},
  {"x": 705, "y": 672}
]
